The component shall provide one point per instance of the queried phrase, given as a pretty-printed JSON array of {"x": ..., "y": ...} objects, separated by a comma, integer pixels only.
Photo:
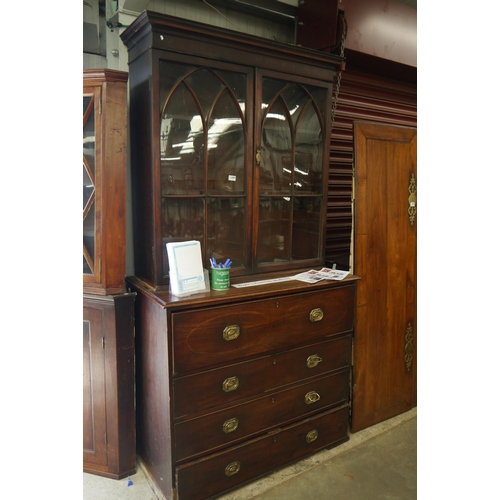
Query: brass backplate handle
[
  {"x": 230, "y": 384},
  {"x": 313, "y": 360},
  {"x": 412, "y": 199},
  {"x": 230, "y": 425},
  {"x": 231, "y": 332},
  {"x": 312, "y": 397},
  {"x": 312, "y": 436},
  {"x": 232, "y": 468},
  {"x": 316, "y": 315}
]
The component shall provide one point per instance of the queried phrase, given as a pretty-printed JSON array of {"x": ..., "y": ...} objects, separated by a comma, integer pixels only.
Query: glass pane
[
  {"x": 182, "y": 142},
  {"x": 320, "y": 97},
  {"x": 183, "y": 219},
  {"x": 308, "y": 153},
  {"x": 170, "y": 75},
  {"x": 89, "y": 233},
  {"x": 89, "y": 142},
  {"x": 276, "y": 150},
  {"x": 86, "y": 267},
  {"x": 274, "y": 228},
  {"x": 206, "y": 86},
  {"x": 270, "y": 89},
  {"x": 226, "y": 230},
  {"x": 88, "y": 187},
  {"x": 226, "y": 147},
  {"x": 306, "y": 227},
  {"x": 86, "y": 101},
  {"x": 295, "y": 98}
]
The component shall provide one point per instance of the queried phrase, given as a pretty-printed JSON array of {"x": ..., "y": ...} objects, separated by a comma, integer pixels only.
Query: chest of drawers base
[{"x": 274, "y": 390}]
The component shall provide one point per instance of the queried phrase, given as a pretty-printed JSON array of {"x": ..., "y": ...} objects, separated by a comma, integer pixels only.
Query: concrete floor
[{"x": 378, "y": 463}]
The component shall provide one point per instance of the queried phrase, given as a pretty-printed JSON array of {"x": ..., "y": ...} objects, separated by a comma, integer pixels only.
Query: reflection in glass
[
  {"x": 308, "y": 153},
  {"x": 89, "y": 233},
  {"x": 306, "y": 227},
  {"x": 89, "y": 140},
  {"x": 202, "y": 153},
  {"x": 276, "y": 147},
  {"x": 274, "y": 230},
  {"x": 182, "y": 145},
  {"x": 88, "y": 185},
  {"x": 292, "y": 148},
  {"x": 226, "y": 147},
  {"x": 226, "y": 230},
  {"x": 183, "y": 219}
]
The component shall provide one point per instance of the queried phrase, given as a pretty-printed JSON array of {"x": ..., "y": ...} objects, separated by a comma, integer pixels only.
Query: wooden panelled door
[{"x": 384, "y": 257}]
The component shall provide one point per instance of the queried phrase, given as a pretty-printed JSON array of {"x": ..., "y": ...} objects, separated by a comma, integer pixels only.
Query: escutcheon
[
  {"x": 316, "y": 315},
  {"x": 231, "y": 332},
  {"x": 230, "y": 384},
  {"x": 232, "y": 468},
  {"x": 312, "y": 436}
]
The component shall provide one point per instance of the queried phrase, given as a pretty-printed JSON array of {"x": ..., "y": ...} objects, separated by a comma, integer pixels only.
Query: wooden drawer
[
  {"x": 210, "y": 337},
  {"x": 220, "y": 387},
  {"x": 240, "y": 464},
  {"x": 204, "y": 434}
]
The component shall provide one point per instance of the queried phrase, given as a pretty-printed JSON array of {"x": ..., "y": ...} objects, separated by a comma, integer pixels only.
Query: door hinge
[
  {"x": 352, "y": 351},
  {"x": 103, "y": 345}
]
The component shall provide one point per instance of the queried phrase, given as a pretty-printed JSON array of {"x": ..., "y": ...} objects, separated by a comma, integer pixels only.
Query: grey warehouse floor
[{"x": 378, "y": 463}]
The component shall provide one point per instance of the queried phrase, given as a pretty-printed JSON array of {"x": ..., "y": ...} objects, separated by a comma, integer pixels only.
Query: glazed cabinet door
[
  {"x": 293, "y": 135},
  {"x": 91, "y": 202},
  {"x": 205, "y": 148}
]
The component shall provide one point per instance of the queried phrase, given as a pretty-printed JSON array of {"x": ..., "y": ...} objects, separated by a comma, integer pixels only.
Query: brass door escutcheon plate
[{"x": 412, "y": 199}]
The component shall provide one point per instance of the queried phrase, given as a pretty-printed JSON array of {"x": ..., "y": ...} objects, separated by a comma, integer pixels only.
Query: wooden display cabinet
[
  {"x": 108, "y": 310},
  {"x": 104, "y": 180},
  {"x": 230, "y": 144}
]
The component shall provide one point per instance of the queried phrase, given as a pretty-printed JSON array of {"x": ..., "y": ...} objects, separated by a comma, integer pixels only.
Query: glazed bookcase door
[
  {"x": 204, "y": 156},
  {"x": 91, "y": 234},
  {"x": 290, "y": 192}
]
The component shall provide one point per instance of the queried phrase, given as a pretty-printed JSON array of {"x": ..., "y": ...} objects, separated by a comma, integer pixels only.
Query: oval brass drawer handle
[
  {"x": 230, "y": 425},
  {"x": 313, "y": 360},
  {"x": 312, "y": 436},
  {"x": 232, "y": 468},
  {"x": 312, "y": 397},
  {"x": 231, "y": 332},
  {"x": 230, "y": 384},
  {"x": 316, "y": 315}
]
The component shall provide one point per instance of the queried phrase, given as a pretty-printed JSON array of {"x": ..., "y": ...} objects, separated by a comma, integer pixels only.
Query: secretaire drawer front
[
  {"x": 209, "y": 432},
  {"x": 232, "y": 467},
  {"x": 223, "y": 386},
  {"x": 208, "y": 337}
]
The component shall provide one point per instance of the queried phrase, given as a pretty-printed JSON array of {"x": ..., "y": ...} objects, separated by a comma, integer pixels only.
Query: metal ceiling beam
[{"x": 267, "y": 9}]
